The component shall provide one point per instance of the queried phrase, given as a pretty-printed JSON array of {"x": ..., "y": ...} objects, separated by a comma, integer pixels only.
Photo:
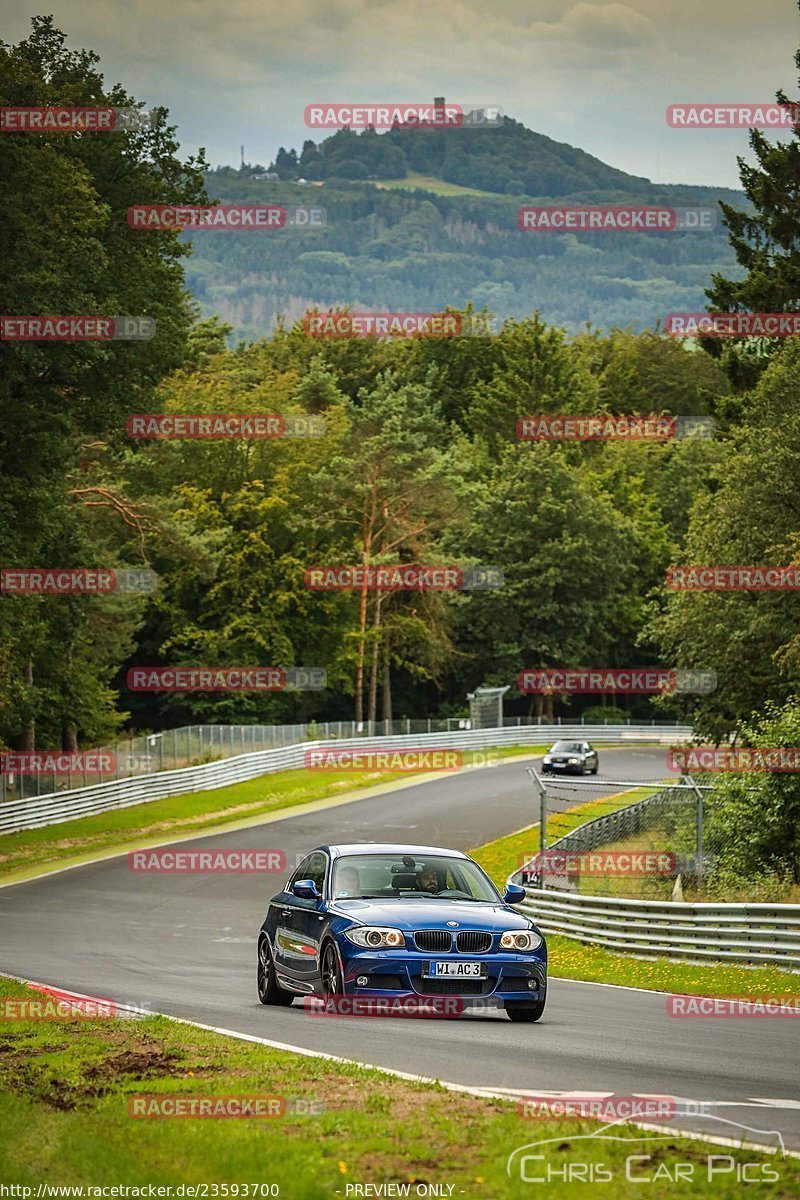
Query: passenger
[{"x": 348, "y": 883}]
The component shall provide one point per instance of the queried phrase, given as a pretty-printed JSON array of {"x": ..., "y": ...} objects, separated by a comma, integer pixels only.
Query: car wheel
[
  {"x": 332, "y": 982},
  {"x": 268, "y": 990},
  {"x": 596, "y": 768},
  {"x": 524, "y": 1012}
]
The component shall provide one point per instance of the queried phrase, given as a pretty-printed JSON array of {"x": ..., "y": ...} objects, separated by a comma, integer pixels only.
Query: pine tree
[{"x": 767, "y": 244}]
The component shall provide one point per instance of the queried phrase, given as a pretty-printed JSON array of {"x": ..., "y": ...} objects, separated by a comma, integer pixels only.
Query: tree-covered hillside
[{"x": 413, "y": 249}]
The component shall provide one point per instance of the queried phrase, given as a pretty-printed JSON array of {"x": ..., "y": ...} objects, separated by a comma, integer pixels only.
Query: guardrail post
[
  {"x": 538, "y": 783},
  {"x": 699, "y": 829}
]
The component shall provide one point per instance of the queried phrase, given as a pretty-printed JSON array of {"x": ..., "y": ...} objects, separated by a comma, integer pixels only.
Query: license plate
[{"x": 457, "y": 970}]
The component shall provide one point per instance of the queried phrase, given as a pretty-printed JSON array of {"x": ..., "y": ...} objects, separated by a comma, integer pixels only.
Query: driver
[
  {"x": 427, "y": 881},
  {"x": 349, "y": 883}
]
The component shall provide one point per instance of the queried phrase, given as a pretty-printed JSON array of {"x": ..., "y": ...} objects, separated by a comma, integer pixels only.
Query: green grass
[
  {"x": 198, "y": 812},
  {"x": 430, "y": 183},
  {"x": 66, "y": 1085},
  {"x": 571, "y": 959}
]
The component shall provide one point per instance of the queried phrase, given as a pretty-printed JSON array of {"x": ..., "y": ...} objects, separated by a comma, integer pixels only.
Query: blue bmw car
[{"x": 397, "y": 921}]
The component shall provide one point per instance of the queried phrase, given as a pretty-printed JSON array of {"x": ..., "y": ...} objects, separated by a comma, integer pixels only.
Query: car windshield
[
  {"x": 406, "y": 876},
  {"x": 567, "y": 748}
]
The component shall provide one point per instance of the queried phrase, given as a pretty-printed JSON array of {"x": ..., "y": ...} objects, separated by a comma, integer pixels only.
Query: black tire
[
  {"x": 331, "y": 980},
  {"x": 268, "y": 990},
  {"x": 524, "y": 1012},
  {"x": 596, "y": 768}
]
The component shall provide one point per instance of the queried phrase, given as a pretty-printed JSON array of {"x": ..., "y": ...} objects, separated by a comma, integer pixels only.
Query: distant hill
[
  {"x": 394, "y": 245},
  {"x": 508, "y": 159}
]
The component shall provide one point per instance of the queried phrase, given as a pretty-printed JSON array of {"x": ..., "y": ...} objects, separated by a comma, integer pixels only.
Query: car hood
[{"x": 431, "y": 914}]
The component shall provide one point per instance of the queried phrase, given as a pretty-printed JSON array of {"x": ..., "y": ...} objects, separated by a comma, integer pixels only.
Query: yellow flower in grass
[{"x": 342, "y": 1168}]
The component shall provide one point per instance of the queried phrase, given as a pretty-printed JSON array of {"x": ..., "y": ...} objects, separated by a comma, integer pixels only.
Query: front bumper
[{"x": 509, "y": 976}]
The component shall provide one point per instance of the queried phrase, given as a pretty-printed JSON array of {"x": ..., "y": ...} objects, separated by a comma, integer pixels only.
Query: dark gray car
[{"x": 570, "y": 758}]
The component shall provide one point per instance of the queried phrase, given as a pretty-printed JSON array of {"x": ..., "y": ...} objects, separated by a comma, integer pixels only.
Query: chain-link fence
[
  {"x": 642, "y": 839},
  {"x": 193, "y": 744}
]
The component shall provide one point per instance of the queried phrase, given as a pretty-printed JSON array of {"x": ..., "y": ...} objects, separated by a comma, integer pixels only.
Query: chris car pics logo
[{"x": 651, "y": 1157}]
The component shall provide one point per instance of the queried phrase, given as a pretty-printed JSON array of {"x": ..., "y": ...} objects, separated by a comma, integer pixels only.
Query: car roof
[{"x": 399, "y": 848}]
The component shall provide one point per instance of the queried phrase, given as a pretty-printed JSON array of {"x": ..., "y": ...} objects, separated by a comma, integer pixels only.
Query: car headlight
[
  {"x": 520, "y": 939},
  {"x": 573, "y": 761},
  {"x": 375, "y": 937},
  {"x": 547, "y": 758}
]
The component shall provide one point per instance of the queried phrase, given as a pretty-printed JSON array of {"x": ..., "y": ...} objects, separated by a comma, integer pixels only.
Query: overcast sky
[{"x": 596, "y": 75}]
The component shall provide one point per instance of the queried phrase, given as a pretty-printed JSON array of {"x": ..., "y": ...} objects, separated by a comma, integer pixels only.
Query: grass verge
[
  {"x": 66, "y": 1087},
  {"x": 21, "y": 854}
]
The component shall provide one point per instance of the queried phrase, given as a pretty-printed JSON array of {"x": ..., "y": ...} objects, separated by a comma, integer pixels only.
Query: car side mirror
[
  {"x": 514, "y": 894},
  {"x": 305, "y": 889}
]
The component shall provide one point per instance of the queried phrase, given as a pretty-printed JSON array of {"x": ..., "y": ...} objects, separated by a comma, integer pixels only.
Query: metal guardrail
[
  {"x": 36, "y": 811},
  {"x": 189, "y": 745},
  {"x": 755, "y": 934}
]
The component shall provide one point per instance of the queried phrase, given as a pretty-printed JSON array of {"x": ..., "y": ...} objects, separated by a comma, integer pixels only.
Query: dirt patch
[
  {"x": 138, "y": 1057},
  {"x": 406, "y": 1103},
  {"x": 134, "y": 1064}
]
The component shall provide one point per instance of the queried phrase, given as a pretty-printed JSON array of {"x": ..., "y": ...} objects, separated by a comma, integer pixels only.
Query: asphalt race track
[{"x": 185, "y": 945}]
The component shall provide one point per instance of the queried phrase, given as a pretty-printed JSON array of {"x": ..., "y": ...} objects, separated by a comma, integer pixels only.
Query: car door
[
  {"x": 309, "y": 919},
  {"x": 285, "y": 952}
]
